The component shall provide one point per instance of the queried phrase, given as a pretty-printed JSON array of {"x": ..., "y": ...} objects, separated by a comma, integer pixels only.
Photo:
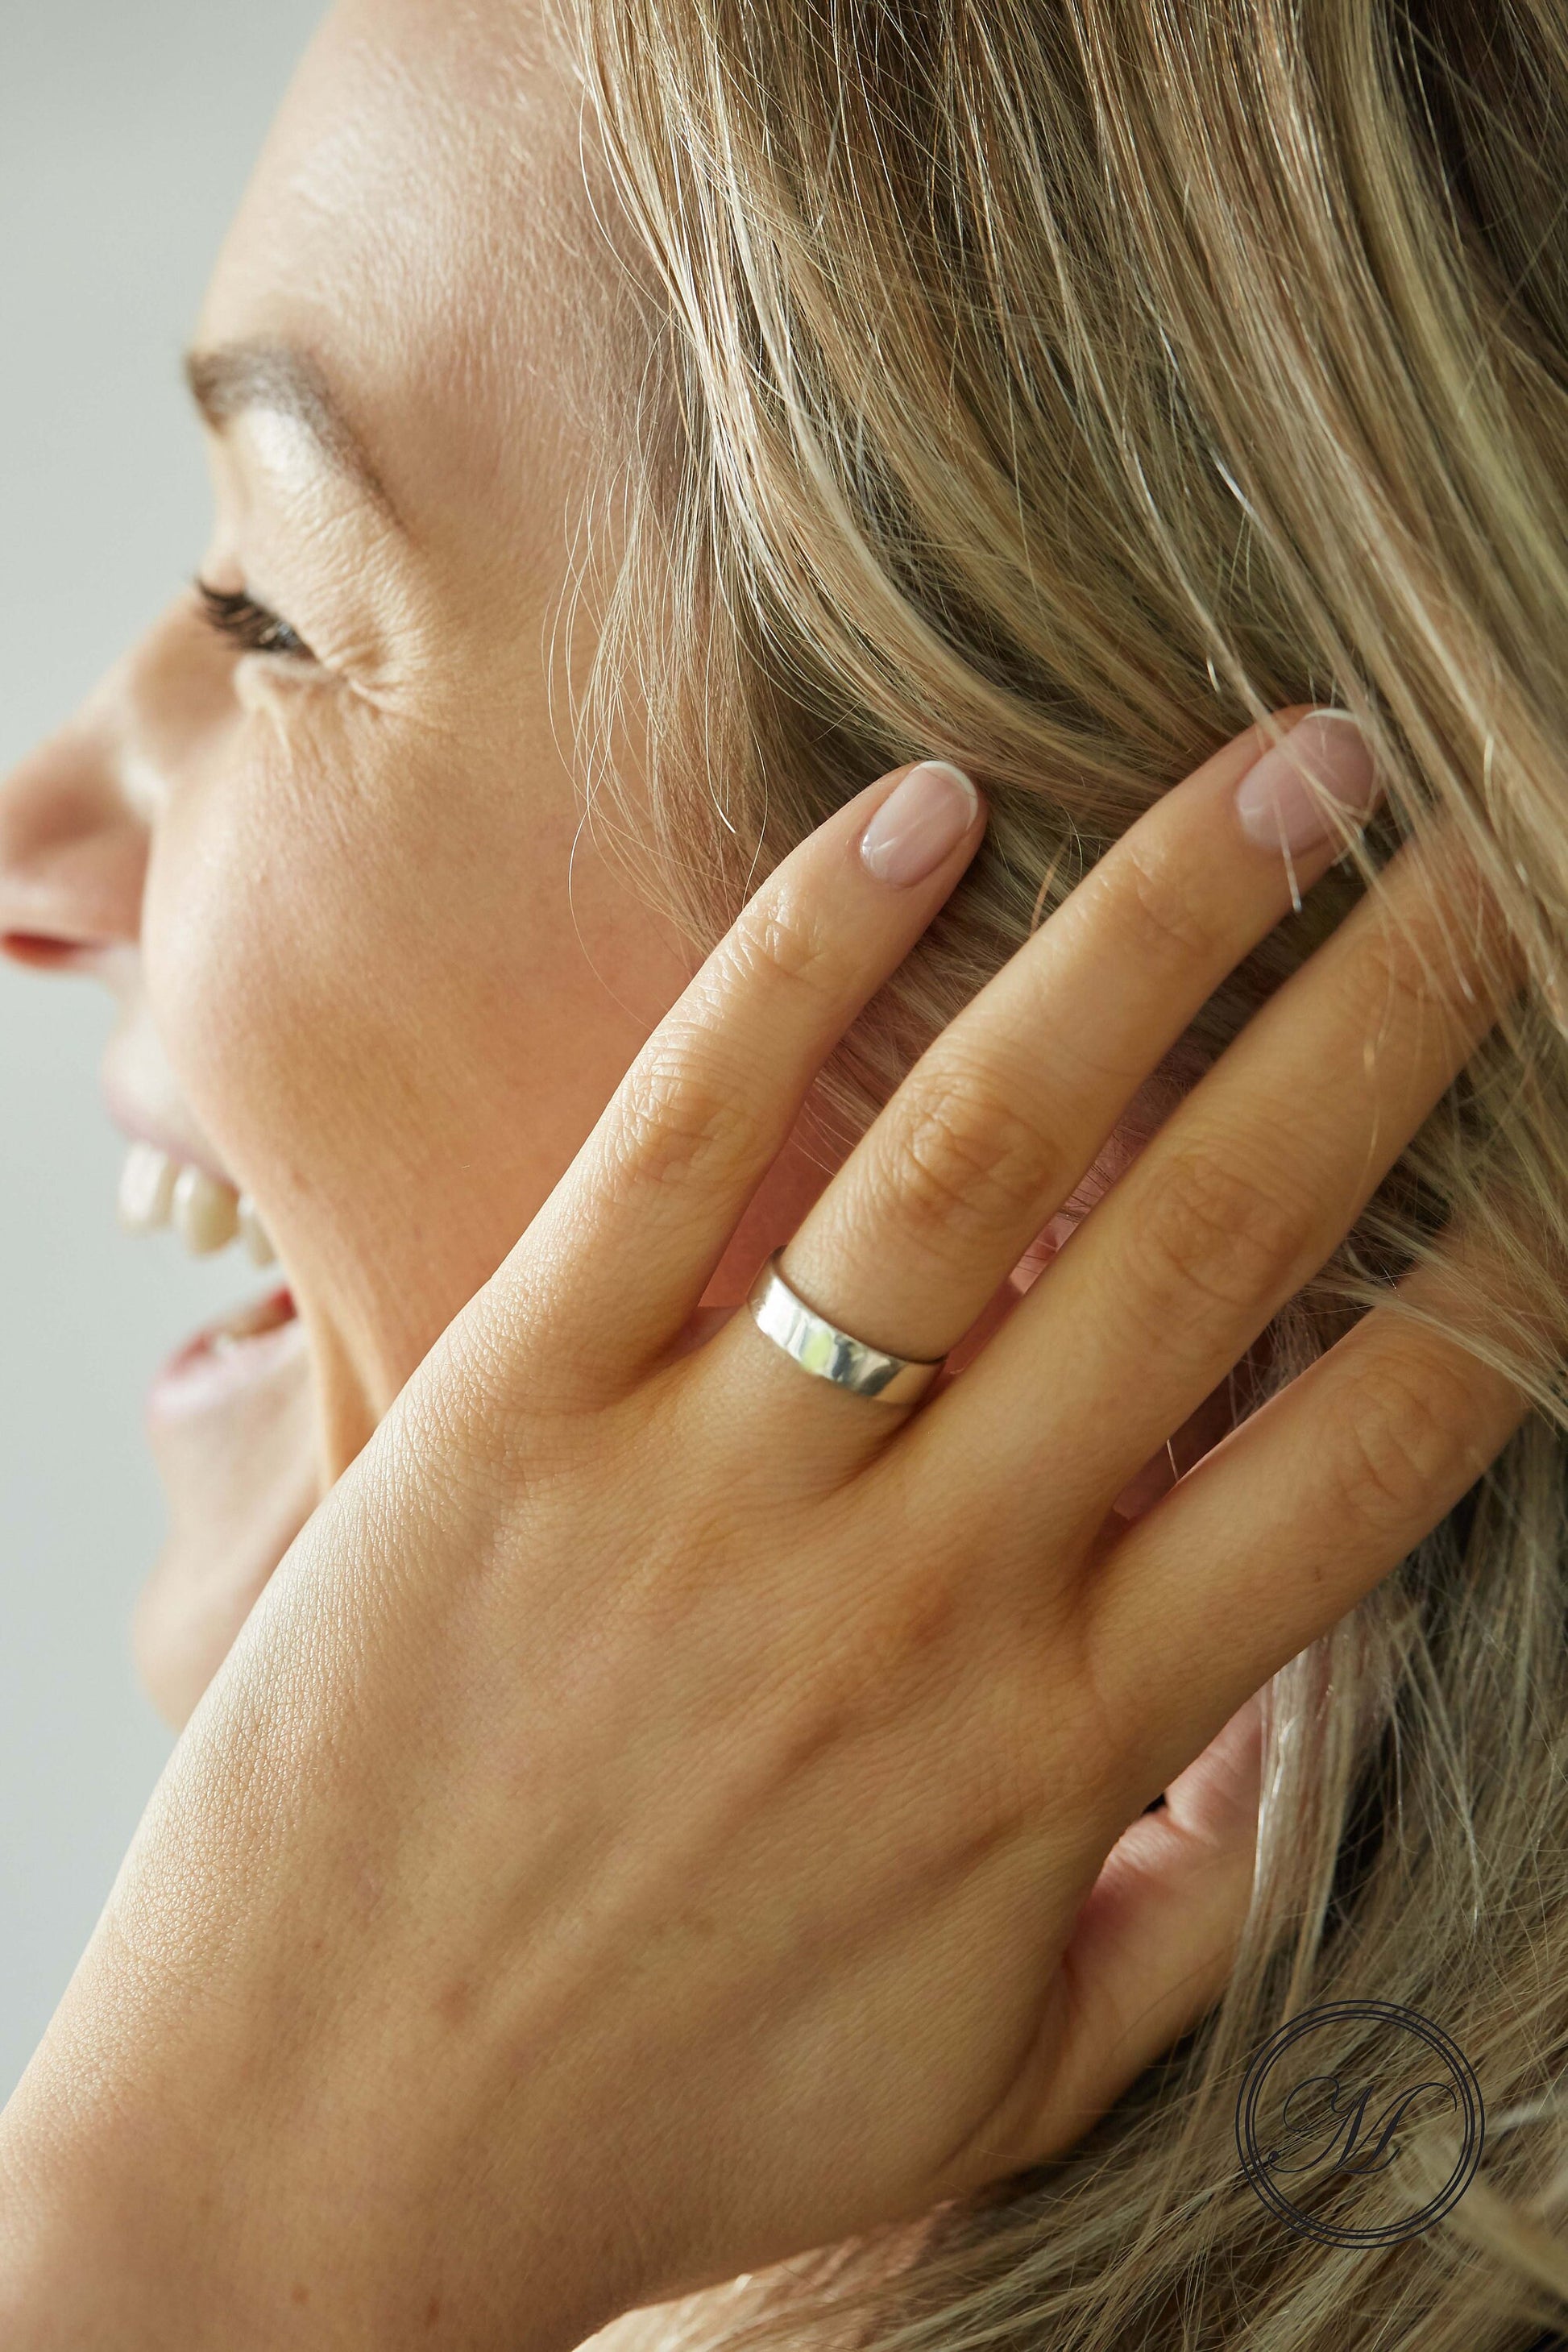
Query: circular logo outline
[{"x": 1467, "y": 2089}]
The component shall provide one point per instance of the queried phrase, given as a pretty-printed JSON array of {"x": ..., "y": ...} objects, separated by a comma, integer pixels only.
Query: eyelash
[{"x": 238, "y": 617}]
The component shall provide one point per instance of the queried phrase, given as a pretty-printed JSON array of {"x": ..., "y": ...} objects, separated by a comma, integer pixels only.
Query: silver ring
[{"x": 820, "y": 1347}]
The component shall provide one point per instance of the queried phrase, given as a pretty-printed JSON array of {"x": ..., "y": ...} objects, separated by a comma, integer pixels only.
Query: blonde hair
[{"x": 1059, "y": 386}]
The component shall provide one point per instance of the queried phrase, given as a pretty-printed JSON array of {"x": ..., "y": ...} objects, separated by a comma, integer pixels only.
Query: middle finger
[
  {"x": 1006, "y": 1111},
  {"x": 1241, "y": 1197}
]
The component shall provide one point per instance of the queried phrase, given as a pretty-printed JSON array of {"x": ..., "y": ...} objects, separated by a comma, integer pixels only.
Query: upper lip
[{"x": 143, "y": 1126}]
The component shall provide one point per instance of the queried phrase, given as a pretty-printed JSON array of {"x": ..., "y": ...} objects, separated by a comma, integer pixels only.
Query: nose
[
  {"x": 73, "y": 855},
  {"x": 75, "y": 821}
]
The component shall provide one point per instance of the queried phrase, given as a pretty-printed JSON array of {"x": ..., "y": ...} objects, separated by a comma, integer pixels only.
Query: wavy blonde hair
[{"x": 1061, "y": 385}]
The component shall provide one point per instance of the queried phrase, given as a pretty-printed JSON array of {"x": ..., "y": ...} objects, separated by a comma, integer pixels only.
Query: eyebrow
[{"x": 280, "y": 376}]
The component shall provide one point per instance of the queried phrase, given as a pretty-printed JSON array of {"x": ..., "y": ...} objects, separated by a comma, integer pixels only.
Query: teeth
[
  {"x": 206, "y": 1213},
  {"x": 147, "y": 1189},
  {"x": 156, "y": 1191},
  {"x": 254, "y": 1234}
]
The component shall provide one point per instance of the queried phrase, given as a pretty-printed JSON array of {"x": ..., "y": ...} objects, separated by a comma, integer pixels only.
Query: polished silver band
[{"x": 819, "y": 1347}]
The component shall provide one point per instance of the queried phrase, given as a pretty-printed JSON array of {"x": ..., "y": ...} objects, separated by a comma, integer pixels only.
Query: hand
[{"x": 667, "y": 1813}]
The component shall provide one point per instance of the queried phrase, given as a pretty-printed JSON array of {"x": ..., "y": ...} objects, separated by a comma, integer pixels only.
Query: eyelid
[{"x": 253, "y": 626}]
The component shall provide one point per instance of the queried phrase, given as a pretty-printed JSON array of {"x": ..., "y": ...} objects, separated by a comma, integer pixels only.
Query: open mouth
[
  {"x": 159, "y": 1193},
  {"x": 226, "y": 1356}
]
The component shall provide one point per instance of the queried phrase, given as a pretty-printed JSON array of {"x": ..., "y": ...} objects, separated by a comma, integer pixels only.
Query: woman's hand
[{"x": 668, "y": 1811}]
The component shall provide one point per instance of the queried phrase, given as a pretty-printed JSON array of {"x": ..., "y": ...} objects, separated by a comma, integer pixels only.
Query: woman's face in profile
[
  {"x": 368, "y": 970},
  {"x": 371, "y": 970}
]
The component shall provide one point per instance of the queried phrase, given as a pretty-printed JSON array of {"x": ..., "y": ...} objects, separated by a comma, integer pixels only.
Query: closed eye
[{"x": 237, "y": 617}]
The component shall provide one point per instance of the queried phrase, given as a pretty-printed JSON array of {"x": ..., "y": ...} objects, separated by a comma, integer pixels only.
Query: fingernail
[
  {"x": 1276, "y": 800},
  {"x": 919, "y": 824}
]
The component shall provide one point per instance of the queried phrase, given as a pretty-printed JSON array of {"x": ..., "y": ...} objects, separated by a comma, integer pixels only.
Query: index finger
[{"x": 709, "y": 1103}]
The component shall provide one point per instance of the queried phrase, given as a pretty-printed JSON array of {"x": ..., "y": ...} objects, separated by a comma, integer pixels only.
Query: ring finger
[{"x": 1007, "y": 1111}]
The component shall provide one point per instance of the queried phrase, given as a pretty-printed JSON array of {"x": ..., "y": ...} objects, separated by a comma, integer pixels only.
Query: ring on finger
[{"x": 819, "y": 1347}]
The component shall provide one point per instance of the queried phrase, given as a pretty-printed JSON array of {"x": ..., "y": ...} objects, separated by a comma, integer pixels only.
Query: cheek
[
  {"x": 298, "y": 948},
  {"x": 259, "y": 955},
  {"x": 343, "y": 948}
]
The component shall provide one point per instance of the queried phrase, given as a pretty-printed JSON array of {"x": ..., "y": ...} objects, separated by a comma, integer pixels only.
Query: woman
[{"x": 665, "y": 1814}]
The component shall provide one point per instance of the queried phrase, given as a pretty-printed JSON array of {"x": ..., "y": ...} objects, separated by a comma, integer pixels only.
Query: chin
[{"x": 235, "y": 1441}]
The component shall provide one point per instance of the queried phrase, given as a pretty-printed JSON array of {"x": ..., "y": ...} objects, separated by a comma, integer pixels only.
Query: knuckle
[
  {"x": 1173, "y": 912},
  {"x": 1402, "y": 975},
  {"x": 787, "y": 936},
  {"x": 676, "y": 1121},
  {"x": 1213, "y": 1229},
  {"x": 963, "y": 1155},
  {"x": 1405, "y": 1437}
]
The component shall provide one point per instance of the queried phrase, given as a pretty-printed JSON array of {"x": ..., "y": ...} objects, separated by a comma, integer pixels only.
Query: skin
[
  {"x": 269, "y": 859},
  {"x": 654, "y": 1768},
  {"x": 361, "y": 949}
]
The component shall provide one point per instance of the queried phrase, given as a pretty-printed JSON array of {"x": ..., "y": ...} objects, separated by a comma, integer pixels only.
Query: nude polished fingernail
[
  {"x": 1276, "y": 800},
  {"x": 921, "y": 822}
]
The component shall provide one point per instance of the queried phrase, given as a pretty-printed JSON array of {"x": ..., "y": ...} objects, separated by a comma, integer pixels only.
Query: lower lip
[{"x": 225, "y": 1357}]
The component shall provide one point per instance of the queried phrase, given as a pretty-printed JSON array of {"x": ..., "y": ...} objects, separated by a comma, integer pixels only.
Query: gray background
[{"x": 127, "y": 130}]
